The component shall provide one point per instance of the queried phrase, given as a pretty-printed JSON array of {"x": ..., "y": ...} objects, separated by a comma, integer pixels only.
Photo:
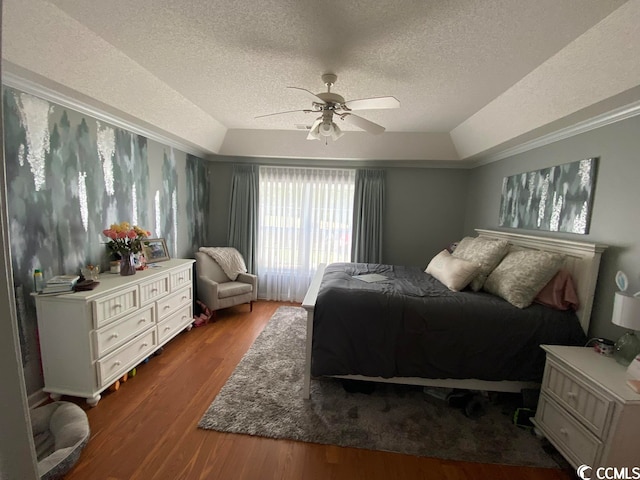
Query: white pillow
[{"x": 454, "y": 273}]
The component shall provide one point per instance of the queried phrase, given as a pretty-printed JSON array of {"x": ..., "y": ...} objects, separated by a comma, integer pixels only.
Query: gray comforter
[{"x": 410, "y": 325}]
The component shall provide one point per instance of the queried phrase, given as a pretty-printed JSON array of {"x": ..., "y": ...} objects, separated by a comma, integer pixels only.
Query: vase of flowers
[{"x": 125, "y": 241}]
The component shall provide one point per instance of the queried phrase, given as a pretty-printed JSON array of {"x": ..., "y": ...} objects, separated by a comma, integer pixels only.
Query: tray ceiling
[{"x": 470, "y": 75}]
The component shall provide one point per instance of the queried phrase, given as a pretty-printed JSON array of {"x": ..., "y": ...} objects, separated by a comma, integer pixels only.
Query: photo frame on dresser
[{"x": 155, "y": 250}]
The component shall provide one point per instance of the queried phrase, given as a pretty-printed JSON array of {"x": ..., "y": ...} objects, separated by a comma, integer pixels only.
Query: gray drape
[
  {"x": 368, "y": 204},
  {"x": 243, "y": 212}
]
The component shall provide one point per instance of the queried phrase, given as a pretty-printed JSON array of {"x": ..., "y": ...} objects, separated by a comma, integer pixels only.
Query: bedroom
[{"x": 454, "y": 201}]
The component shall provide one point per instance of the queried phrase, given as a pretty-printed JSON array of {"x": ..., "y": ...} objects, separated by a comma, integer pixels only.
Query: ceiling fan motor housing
[{"x": 332, "y": 100}]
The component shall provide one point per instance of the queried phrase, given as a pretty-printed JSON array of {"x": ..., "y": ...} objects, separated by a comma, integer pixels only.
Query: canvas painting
[{"x": 557, "y": 199}]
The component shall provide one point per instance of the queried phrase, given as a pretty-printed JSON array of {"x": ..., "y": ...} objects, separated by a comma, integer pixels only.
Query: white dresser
[
  {"x": 587, "y": 411},
  {"x": 90, "y": 339}
]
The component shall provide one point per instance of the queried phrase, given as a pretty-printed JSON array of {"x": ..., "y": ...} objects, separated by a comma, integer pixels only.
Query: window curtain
[
  {"x": 243, "y": 213},
  {"x": 367, "y": 216},
  {"x": 305, "y": 219}
]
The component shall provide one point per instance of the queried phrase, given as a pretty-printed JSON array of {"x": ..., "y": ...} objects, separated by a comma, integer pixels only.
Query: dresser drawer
[
  {"x": 174, "y": 324},
  {"x": 119, "y": 332},
  {"x": 117, "y": 363},
  {"x": 573, "y": 440},
  {"x": 154, "y": 289},
  {"x": 109, "y": 308},
  {"x": 170, "y": 304},
  {"x": 578, "y": 397},
  {"x": 180, "y": 278}
]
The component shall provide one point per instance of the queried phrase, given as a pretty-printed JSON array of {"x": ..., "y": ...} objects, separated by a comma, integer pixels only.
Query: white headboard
[{"x": 582, "y": 261}]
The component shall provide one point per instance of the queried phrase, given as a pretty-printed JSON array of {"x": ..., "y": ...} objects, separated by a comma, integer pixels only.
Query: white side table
[{"x": 586, "y": 409}]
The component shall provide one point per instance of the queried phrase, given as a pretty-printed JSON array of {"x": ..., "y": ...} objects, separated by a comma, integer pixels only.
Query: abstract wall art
[
  {"x": 69, "y": 176},
  {"x": 556, "y": 199}
]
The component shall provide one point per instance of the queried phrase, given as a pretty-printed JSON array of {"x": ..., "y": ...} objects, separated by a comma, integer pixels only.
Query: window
[{"x": 305, "y": 219}]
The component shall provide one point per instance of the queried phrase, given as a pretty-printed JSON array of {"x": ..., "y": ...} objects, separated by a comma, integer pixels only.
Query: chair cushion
[{"x": 232, "y": 289}]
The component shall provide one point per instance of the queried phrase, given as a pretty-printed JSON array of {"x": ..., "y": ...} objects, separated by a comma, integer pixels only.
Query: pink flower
[
  {"x": 132, "y": 234},
  {"x": 121, "y": 235}
]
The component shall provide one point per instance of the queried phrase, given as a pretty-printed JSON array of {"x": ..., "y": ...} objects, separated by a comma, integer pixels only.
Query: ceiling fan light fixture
[
  {"x": 337, "y": 133},
  {"x": 326, "y": 129}
]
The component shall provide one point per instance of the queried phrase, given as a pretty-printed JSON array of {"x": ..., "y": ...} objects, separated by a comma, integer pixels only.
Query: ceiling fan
[{"x": 328, "y": 104}]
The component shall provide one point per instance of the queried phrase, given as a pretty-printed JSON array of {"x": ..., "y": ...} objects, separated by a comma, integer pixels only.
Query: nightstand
[{"x": 586, "y": 410}]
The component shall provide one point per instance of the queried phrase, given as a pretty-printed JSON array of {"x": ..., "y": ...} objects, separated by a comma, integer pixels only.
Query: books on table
[{"x": 60, "y": 284}]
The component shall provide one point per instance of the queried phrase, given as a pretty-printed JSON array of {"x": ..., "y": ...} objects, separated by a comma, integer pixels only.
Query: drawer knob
[
  {"x": 117, "y": 305},
  {"x": 180, "y": 278},
  {"x": 166, "y": 307},
  {"x": 145, "y": 344},
  {"x": 116, "y": 363},
  {"x": 184, "y": 297},
  {"x": 572, "y": 395},
  {"x": 564, "y": 431},
  {"x": 142, "y": 320},
  {"x": 114, "y": 335},
  {"x": 167, "y": 328},
  {"x": 154, "y": 290}
]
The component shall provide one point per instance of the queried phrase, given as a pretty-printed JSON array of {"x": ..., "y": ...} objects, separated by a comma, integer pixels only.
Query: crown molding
[
  {"x": 613, "y": 116},
  {"x": 33, "y": 88}
]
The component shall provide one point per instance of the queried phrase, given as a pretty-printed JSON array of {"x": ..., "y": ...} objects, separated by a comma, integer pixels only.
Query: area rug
[{"x": 263, "y": 397}]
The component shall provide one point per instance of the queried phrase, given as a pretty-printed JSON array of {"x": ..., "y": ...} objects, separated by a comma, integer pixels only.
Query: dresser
[
  {"x": 88, "y": 340},
  {"x": 587, "y": 411}
]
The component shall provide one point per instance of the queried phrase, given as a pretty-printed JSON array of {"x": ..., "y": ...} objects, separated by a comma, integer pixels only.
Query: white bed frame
[{"x": 582, "y": 261}]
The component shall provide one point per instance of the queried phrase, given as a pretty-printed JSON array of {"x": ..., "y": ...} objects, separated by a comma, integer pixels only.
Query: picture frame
[
  {"x": 554, "y": 199},
  {"x": 155, "y": 250}
]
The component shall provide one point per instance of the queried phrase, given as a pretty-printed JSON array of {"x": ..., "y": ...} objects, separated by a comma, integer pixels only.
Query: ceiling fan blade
[
  {"x": 310, "y": 94},
  {"x": 313, "y": 133},
  {"x": 280, "y": 113},
  {"x": 363, "y": 123},
  {"x": 372, "y": 103}
]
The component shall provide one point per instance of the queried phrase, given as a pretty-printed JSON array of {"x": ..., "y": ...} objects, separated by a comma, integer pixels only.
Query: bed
[{"x": 449, "y": 349}]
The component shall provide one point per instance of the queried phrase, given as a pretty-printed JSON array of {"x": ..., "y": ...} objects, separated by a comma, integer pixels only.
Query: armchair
[{"x": 216, "y": 290}]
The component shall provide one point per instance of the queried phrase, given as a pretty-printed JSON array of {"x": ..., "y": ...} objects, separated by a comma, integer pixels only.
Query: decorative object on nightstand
[
  {"x": 626, "y": 313},
  {"x": 633, "y": 374}
]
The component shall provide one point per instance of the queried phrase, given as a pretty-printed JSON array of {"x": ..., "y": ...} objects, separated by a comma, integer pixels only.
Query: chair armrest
[
  {"x": 250, "y": 279},
  {"x": 208, "y": 292},
  {"x": 247, "y": 278}
]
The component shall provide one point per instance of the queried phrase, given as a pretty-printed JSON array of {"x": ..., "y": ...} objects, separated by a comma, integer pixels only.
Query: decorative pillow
[
  {"x": 453, "y": 272},
  {"x": 559, "y": 293},
  {"x": 485, "y": 252},
  {"x": 522, "y": 274}
]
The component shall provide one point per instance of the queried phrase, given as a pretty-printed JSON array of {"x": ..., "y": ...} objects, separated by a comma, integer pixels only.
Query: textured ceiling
[{"x": 444, "y": 60}]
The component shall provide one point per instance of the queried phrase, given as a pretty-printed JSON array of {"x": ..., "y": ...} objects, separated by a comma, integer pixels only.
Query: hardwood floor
[{"x": 147, "y": 430}]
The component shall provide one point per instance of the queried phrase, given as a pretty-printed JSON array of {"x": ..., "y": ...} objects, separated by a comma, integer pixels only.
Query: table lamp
[{"x": 626, "y": 313}]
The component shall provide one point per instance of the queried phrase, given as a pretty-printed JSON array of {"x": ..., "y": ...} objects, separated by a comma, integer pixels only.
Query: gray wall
[
  {"x": 615, "y": 219},
  {"x": 424, "y": 209},
  {"x": 424, "y": 213}
]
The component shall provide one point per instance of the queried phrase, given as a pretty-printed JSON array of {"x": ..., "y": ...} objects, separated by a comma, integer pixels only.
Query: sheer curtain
[
  {"x": 367, "y": 216},
  {"x": 305, "y": 219}
]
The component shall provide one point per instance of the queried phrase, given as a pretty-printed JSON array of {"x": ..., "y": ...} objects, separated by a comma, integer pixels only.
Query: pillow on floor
[
  {"x": 485, "y": 252},
  {"x": 454, "y": 273},
  {"x": 522, "y": 274}
]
